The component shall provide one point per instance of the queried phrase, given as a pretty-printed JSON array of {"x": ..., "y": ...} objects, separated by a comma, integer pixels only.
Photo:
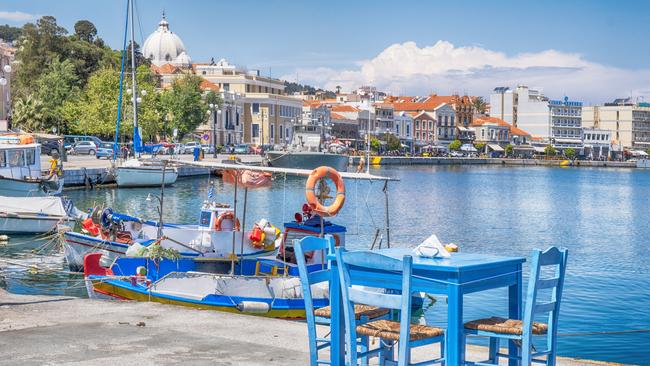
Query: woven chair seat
[
  {"x": 388, "y": 329},
  {"x": 504, "y": 326},
  {"x": 370, "y": 312}
]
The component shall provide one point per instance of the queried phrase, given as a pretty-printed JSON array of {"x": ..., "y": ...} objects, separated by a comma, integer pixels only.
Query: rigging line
[
  {"x": 137, "y": 13},
  {"x": 119, "y": 99}
]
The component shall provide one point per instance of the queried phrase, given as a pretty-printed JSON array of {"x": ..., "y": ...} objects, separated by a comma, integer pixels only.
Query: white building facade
[
  {"x": 524, "y": 107},
  {"x": 565, "y": 123}
]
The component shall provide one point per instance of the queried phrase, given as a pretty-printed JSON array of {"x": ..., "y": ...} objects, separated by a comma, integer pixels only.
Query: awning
[
  {"x": 464, "y": 129},
  {"x": 523, "y": 147},
  {"x": 539, "y": 149},
  {"x": 639, "y": 153},
  {"x": 495, "y": 147},
  {"x": 568, "y": 141}
]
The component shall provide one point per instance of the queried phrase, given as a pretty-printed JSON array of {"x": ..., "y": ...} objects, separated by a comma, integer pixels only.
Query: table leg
[
  {"x": 337, "y": 325},
  {"x": 455, "y": 335},
  {"x": 515, "y": 312}
]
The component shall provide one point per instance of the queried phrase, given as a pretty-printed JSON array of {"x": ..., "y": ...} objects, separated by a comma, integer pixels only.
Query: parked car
[
  {"x": 242, "y": 149},
  {"x": 456, "y": 154},
  {"x": 189, "y": 147},
  {"x": 105, "y": 150},
  {"x": 84, "y": 147},
  {"x": 48, "y": 146},
  {"x": 70, "y": 140},
  {"x": 207, "y": 149}
]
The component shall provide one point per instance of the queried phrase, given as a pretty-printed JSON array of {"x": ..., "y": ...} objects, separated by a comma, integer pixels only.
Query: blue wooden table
[{"x": 454, "y": 277}]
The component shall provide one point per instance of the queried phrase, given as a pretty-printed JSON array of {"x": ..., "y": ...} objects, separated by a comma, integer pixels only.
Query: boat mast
[
  {"x": 119, "y": 99},
  {"x": 136, "y": 133}
]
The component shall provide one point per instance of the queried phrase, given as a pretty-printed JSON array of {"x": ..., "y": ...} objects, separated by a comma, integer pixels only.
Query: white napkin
[{"x": 431, "y": 247}]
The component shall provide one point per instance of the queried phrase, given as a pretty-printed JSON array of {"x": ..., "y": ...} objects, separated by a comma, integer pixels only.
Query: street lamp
[{"x": 213, "y": 110}]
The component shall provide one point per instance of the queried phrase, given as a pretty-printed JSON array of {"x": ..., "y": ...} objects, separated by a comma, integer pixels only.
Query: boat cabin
[
  {"x": 19, "y": 157},
  {"x": 216, "y": 216}
]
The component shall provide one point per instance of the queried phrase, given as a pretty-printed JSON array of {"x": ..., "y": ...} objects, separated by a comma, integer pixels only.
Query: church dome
[
  {"x": 164, "y": 46},
  {"x": 183, "y": 60}
]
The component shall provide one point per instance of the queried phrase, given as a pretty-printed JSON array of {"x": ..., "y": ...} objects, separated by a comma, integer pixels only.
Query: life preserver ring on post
[
  {"x": 316, "y": 175},
  {"x": 226, "y": 215}
]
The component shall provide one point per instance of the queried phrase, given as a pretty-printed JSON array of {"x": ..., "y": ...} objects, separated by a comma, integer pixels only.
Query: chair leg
[
  {"x": 494, "y": 350},
  {"x": 386, "y": 351},
  {"x": 364, "y": 345},
  {"x": 442, "y": 350}
]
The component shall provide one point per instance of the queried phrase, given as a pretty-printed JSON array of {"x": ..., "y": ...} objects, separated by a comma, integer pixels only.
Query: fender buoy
[
  {"x": 315, "y": 176},
  {"x": 226, "y": 215}
]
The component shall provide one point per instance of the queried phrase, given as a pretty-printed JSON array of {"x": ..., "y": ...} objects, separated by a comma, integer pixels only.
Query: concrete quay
[
  {"x": 417, "y": 160},
  {"x": 54, "y": 330}
]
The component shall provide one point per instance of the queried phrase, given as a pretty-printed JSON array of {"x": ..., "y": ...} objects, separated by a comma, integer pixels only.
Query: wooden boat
[{"x": 34, "y": 215}]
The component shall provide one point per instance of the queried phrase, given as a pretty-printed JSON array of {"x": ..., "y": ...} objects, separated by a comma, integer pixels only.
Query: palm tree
[
  {"x": 338, "y": 89},
  {"x": 479, "y": 104},
  {"x": 28, "y": 113}
]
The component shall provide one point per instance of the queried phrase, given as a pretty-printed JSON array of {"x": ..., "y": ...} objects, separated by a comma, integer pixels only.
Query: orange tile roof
[
  {"x": 165, "y": 69},
  {"x": 337, "y": 116},
  {"x": 208, "y": 85},
  {"x": 344, "y": 108},
  {"x": 480, "y": 121}
]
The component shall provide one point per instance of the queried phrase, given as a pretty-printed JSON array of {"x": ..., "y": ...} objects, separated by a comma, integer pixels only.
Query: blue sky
[{"x": 313, "y": 39}]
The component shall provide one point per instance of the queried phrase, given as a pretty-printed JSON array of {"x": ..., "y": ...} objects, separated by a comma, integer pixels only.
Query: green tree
[
  {"x": 455, "y": 145},
  {"x": 55, "y": 86},
  {"x": 508, "y": 150},
  {"x": 549, "y": 150},
  {"x": 150, "y": 110},
  {"x": 570, "y": 153},
  {"x": 393, "y": 143},
  {"x": 85, "y": 30},
  {"x": 480, "y": 146},
  {"x": 28, "y": 113},
  {"x": 648, "y": 151},
  {"x": 184, "y": 105},
  {"x": 9, "y": 33},
  {"x": 374, "y": 143}
]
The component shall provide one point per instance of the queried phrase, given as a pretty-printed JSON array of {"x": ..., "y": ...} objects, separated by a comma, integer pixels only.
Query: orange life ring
[
  {"x": 322, "y": 173},
  {"x": 226, "y": 215}
]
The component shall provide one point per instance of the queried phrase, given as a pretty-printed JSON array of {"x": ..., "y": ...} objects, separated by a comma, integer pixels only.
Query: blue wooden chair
[
  {"x": 523, "y": 331},
  {"x": 371, "y": 269},
  {"x": 317, "y": 273}
]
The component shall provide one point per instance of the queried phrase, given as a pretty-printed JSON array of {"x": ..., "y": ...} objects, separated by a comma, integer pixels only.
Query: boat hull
[
  {"x": 144, "y": 176},
  {"x": 17, "y": 224},
  {"x": 307, "y": 160},
  {"x": 20, "y": 188}
]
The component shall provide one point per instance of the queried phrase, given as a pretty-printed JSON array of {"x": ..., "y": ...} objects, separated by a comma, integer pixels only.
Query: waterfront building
[
  {"x": 523, "y": 107},
  {"x": 7, "y": 54},
  {"x": 628, "y": 121},
  {"x": 384, "y": 114},
  {"x": 462, "y": 106},
  {"x": 423, "y": 127},
  {"x": 165, "y": 47},
  {"x": 343, "y": 127},
  {"x": 403, "y": 129},
  {"x": 445, "y": 117},
  {"x": 597, "y": 143},
  {"x": 224, "y": 123},
  {"x": 565, "y": 124},
  {"x": 493, "y": 132}
]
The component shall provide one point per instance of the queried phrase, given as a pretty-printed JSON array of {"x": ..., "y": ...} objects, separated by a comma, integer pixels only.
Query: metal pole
[
  {"x": 162, "y": 199},
  {"x": 387, "y": 217},
  {"x": 243, "y": 222},
  {"x": 232, "y": 264},
  {"x": 214, "y": 132},
  {"x": 134, "y": 81}
]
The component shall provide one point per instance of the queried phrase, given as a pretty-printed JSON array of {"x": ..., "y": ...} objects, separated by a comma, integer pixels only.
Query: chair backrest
[
  {"x": 551, "y": 257},
  {"x": 307, "y": 279},
  {"x": 371, "y": 269}
]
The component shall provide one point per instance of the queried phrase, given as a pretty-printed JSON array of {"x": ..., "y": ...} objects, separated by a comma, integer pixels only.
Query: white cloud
[
  {"x": 17, "y": 16},
  {"x": 444, "y": 68}
]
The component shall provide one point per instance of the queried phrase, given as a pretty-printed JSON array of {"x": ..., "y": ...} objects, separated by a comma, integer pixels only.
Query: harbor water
[{"x": 600, "y": 215}]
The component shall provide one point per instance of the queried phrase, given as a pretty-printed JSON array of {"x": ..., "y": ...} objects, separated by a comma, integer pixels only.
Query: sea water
[{"x": 599, "y": 214}]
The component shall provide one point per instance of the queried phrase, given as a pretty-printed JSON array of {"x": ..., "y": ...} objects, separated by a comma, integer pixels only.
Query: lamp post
[
  {"x": 6, "y": 69},
  {"x": 214, "y": 111}
]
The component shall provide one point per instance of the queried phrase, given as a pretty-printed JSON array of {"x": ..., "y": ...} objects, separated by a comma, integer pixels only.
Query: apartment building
[
  {"x": 628, "y": 121},
  {"x": 524, "y": 107}
]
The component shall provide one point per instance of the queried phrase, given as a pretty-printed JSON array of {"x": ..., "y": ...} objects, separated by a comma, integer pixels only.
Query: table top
[{"x": 458, "y": 262}]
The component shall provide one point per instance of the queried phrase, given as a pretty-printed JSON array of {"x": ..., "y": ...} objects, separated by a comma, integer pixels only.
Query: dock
[
  {"x": 419, "y": 160},
  {"x": 37, "y": 330}
]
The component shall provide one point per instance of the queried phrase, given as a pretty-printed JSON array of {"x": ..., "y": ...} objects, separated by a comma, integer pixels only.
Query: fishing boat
[
  {"x": 137, "y": 172},
  {"x": 217, "y": 235},
  {"x": 20, "y": 168},
  {"x": 307, "y": 151},
  {"x": 33, "y": 215}
]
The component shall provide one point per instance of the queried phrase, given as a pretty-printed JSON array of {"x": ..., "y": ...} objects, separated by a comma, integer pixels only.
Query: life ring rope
[{"x": 226, "y": 215}]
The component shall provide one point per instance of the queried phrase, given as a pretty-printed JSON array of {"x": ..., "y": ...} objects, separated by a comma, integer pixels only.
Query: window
[
  {"x": 417, "y": 124},
  {"x": 271, "y": 110},
  {"x": 226, "y": 86},
  {"x": 16, "y": 157},
  {"x": 431, "y": 125},
  {"x": 439, "y": 120},
  {"x": 256, "y": 108},
  {"x": 30, "y": 157},
  {"x": 417, "y": 135},
  {"x": 237, "y": 118},
  {"x": 446, "y": 120},
  {"x": 452, "y": 120},
  {"x": 272, "y": 131},
  {"x": 3, "y": 159},
  {"x": 256, "y": 130},
  {"x": 281, "y": 132}
]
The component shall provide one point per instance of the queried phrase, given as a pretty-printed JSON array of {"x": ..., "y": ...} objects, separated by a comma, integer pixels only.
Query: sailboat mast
[
  {"x": 119, "y": 99},
  {"x": 136, "y": 139}
]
